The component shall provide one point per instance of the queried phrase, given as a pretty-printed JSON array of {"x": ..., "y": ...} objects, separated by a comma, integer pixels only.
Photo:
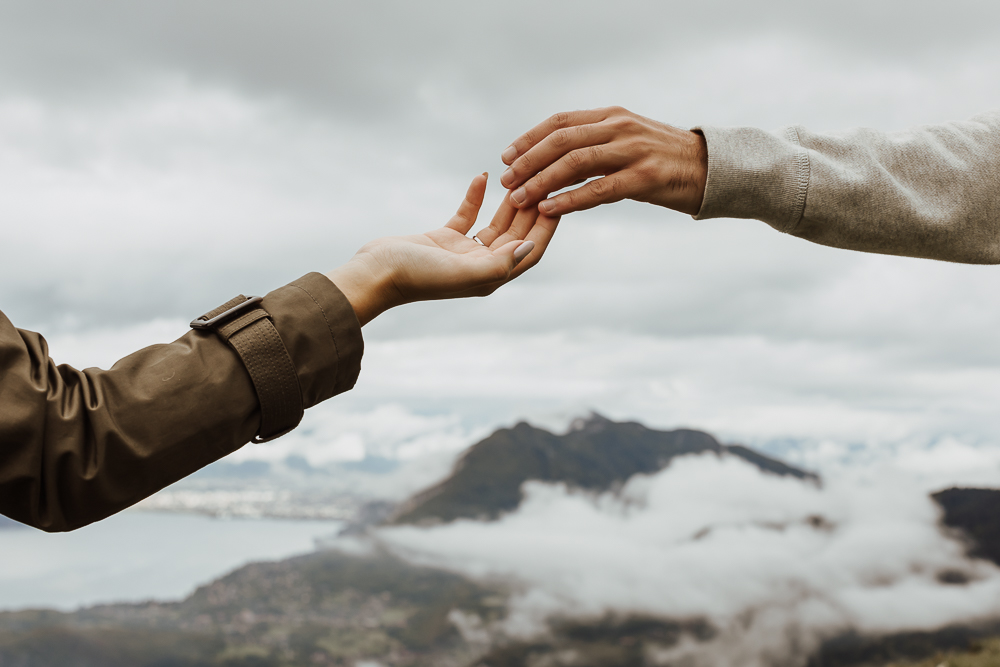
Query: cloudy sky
[{"x": 157, "y": 158}]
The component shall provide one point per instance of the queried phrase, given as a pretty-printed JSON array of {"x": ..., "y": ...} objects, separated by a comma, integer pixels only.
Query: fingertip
[
  {"x": 508, "y": 155},
  {"x": 477, "y": 189},
  {"x": 547, "y": 207},
  {"x": 523, "y": 251}
]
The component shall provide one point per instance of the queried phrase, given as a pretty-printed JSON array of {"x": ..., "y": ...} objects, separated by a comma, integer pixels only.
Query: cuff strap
[{"x": 247, "y": 328}]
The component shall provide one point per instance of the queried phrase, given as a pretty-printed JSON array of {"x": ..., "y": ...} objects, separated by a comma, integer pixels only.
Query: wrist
[
  {"x": 367, "y": 286},
  {"x": 697, "y": 173}
]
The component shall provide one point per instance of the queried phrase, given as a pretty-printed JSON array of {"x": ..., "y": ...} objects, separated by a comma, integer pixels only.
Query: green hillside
[{"x": 326, "y": 608}]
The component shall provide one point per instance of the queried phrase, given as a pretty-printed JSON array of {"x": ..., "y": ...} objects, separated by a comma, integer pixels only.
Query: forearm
[
  {"x": 77, "y": 446},
  {"x": 928, "y": 192}
]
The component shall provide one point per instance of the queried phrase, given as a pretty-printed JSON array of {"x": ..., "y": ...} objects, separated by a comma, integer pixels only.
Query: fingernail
[
  {"x": 508, "y": 155},
  {"x": 523, "y": 251},
  {"x": 546, "y": 206},
  {"x": 518, "y": 196},
  {"x": 507, "y": 176}
]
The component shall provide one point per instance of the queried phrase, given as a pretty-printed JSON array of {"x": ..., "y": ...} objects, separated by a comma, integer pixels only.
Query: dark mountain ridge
[{"x": 596, "y": 454}]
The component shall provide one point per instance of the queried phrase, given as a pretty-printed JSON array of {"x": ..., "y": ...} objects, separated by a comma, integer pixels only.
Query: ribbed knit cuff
[{"x": 755, "y": 174}]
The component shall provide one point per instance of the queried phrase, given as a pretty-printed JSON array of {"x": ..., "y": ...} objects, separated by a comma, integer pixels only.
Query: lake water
[{"x": 140, "y": 555}]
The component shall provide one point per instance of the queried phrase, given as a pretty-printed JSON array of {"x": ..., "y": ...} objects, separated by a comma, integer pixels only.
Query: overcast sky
[{"x": 157, "y": 158}]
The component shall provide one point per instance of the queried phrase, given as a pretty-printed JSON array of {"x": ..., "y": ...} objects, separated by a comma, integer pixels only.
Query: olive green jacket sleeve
[
  {"x": 930, "y": 191},
  {"x": 78, "y": 446}
]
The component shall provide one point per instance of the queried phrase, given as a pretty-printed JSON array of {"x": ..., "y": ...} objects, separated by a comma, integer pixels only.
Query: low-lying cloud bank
[{"x": 775, "y": 564}]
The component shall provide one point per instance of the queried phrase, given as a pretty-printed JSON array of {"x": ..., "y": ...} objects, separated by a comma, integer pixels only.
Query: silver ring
[{"x": 476, "y": 239}]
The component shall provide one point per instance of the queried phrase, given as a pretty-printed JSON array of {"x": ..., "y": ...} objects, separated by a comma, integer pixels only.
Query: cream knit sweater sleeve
[{"x": 931, "y": 191}]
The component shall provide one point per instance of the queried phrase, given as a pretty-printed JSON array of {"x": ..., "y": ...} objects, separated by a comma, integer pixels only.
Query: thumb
[{"x": 511, "y": 254}]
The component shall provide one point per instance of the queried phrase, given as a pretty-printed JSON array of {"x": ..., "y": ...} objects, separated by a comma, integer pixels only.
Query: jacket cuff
[
  {"x": 755, "y": 174},
  {"x": 321, "y": 333}
]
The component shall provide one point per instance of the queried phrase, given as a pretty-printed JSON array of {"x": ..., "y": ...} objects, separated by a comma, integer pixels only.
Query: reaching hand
[
  {"x": 638, "y": 158},
  {"x": 445, "y": 263}
]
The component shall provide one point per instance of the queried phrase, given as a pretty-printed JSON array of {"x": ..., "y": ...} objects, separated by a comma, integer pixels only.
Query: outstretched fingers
[
  {"x": 606, "y": 190},
  {"x": 579, "y": 148},
  {"x": 553, "y": 123},
  {"x": 519, "y": 255},
  {"x": 468, "y": 211},
  {"x": 518, "y": 229},
  {"x": 575, "y": 166}
]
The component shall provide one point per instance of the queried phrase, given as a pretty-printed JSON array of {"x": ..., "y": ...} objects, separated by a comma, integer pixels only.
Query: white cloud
[{"x": 718, "y": 539}]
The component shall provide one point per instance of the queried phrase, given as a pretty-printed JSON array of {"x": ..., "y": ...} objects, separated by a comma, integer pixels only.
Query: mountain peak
[
  {"x": 590, "y": 424},
  {"x": 596, "y": 454}
]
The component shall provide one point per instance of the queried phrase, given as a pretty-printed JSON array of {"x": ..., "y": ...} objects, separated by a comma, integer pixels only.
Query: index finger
[{"x": 554, "y": 122}]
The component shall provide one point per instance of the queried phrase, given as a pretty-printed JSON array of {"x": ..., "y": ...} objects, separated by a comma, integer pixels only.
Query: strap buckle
[{"x": 202, "y": 323}]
